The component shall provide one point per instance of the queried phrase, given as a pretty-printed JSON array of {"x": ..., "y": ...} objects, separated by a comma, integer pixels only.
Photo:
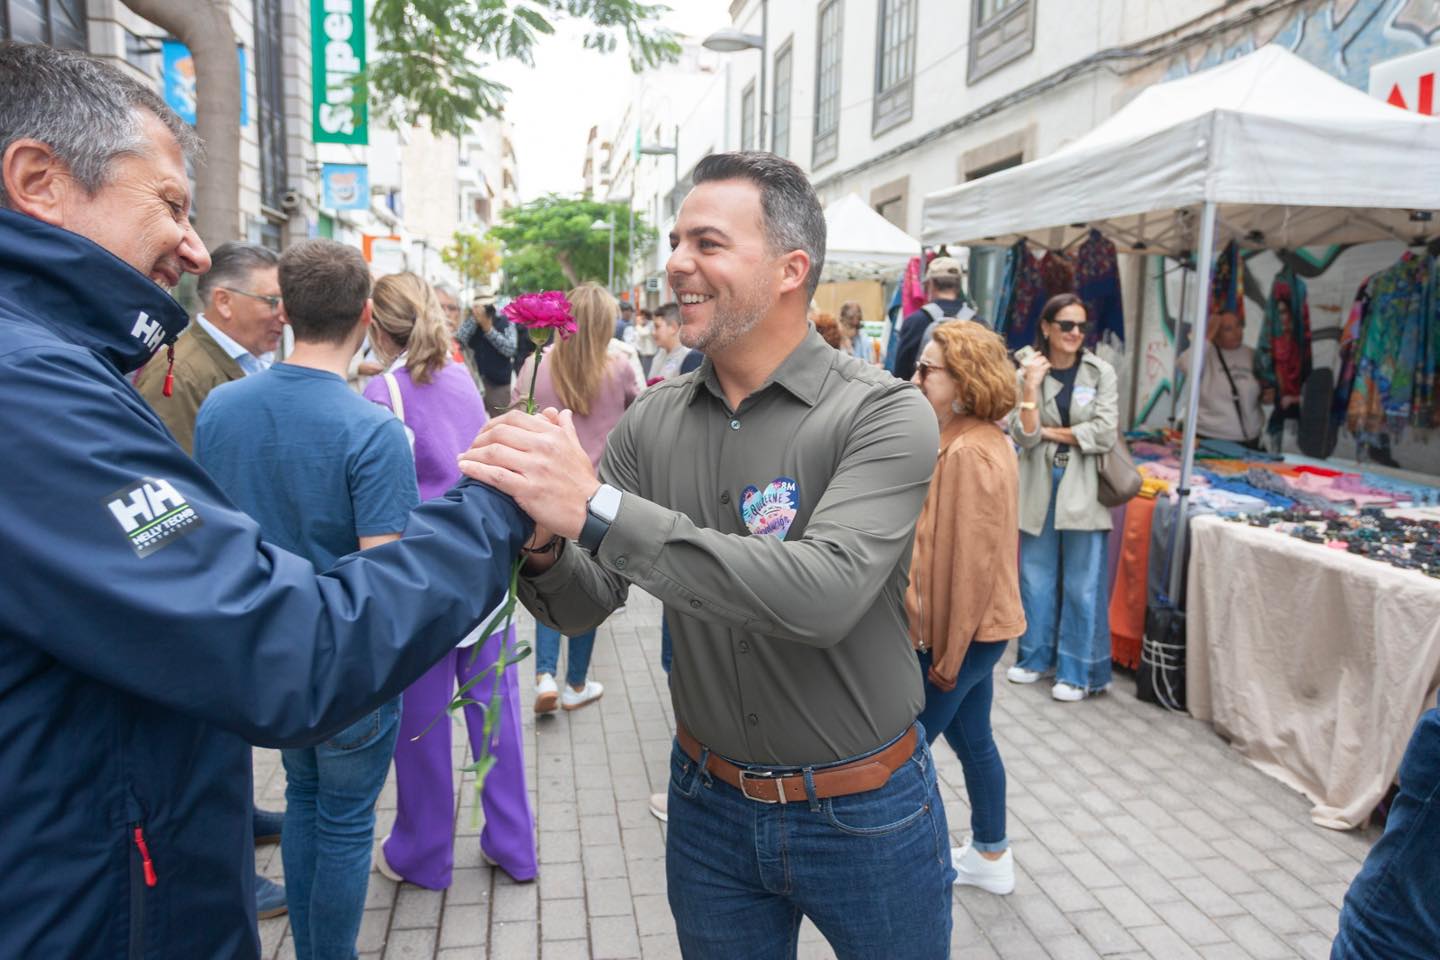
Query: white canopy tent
[
  {"x": 1272, "y": 151},
  {"x": 862, "y": 245}
]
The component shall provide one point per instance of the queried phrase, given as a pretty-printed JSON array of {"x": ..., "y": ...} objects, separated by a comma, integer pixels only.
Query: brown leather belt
[{"x": 858, "y": 776}]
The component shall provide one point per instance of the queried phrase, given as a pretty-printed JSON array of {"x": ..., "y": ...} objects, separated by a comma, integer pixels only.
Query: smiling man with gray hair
[{"x": 147, "y": 633}]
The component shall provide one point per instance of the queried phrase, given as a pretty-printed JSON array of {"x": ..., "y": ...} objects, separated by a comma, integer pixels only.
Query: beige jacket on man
[
  {"x": 201, "y": 365},
  {"x": 1094, "y": 413}
]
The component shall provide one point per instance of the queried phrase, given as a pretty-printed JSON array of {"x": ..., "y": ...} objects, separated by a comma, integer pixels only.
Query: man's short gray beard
[{"x": 729, "y": 326}]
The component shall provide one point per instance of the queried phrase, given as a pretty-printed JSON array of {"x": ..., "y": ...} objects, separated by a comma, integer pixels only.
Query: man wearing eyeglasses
[{"x": 235, "y": 335}]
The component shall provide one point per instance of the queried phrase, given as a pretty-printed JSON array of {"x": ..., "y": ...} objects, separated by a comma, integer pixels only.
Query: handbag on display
[
  {"x": 1119, "y": 480},
  {"x": 1161, "y": 677}
]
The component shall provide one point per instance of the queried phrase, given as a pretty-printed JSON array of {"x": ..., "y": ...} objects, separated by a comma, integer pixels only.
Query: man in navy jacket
[{"x": 147, "y": 634}]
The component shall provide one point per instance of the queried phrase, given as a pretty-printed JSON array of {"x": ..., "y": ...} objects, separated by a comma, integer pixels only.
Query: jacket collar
[
  {"x": 84, "y": 293},
  {"x": 802, "y": 373},
  {"x": 957, "y": 428}
]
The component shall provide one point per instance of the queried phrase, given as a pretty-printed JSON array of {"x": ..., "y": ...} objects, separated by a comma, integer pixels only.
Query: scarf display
[
  {"x": 1022, "y": 297},
  {"x": 1282, "y": 357},
  {"x": 1097, "y": 282},
  {"x": 1394, "y": 343},
  {"x": 1227, "y": 282}
]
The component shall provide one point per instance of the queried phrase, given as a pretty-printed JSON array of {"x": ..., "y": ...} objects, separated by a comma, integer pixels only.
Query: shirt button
[
  {"x": 734, "y": 424},
  {"x": 725, "y": 497},
  {"x": 695, "y": 604},
  {"x": 744, "y": 646},
  {"x": 754, "y": 720},
  {"x": 620, "y": 563}
]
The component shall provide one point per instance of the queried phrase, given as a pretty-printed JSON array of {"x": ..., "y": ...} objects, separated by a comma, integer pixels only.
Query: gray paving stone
[
  {"x": 410, "y": 944},
  {"x": 563, "y": 920},
  {"x": 516, "y": 939},
  {"x": 1259, "y": 942},
  {"x": 1105, "y": 934},
  {"x": 1126, "y": 906},
  {"x": 614, "y": 938}
]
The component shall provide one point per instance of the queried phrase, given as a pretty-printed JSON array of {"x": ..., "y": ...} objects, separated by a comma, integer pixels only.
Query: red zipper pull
[
  {"x": 150, "y": 878},
  {"x": 169, "y": 388}
]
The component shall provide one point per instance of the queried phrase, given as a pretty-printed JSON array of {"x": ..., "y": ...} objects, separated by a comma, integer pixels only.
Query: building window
[
  {"x": 60, "y": 23},
  {"x": 747, "y": 117},
  {"x": 780, "y": 119},
  {"x": 1001, "y": 32},
  {"x": 890, "y": 200},
  {"x": 827, "y": 85},
  {"x": 894, "y": 64},
  {"x": 270, "y": 103}
]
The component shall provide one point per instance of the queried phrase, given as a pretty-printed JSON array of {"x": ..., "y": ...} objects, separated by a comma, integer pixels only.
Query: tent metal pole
[
  {"x": 1199, "y": 337},
  {"x": 1179, "y": 338}
]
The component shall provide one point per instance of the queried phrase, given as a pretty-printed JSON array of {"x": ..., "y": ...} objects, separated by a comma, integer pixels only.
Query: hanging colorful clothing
[
  {"x": 1227, "y": 282},
  {"x": 1282, "y": 358},
  {"x": 912, "y": 291},
  {"x": 1097, "y": 281},
  {"x": 1394, "y": 357},
  {"x": 1350, "y": 337},
  {"x": 1057, "y": 274},
  {"x": 1025, "y": 296}
]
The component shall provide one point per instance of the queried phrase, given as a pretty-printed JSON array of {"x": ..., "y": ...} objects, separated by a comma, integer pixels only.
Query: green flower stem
[{"x": 510, "y": 654}]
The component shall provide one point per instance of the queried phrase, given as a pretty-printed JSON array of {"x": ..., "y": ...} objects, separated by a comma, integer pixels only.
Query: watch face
[{"x": 605, "y": 503}]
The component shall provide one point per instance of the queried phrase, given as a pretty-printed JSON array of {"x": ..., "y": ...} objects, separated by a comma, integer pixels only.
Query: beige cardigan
[
  {"x": 964, "y": 575},
  {"x": 1094, "y": 413}
]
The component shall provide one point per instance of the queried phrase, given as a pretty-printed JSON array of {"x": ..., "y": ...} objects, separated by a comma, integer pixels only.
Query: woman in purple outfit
[{"x": 443, "y": 411}]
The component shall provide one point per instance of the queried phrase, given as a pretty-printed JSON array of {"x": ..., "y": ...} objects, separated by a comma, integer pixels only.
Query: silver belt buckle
[
  {"x": 1062, "y": 458},
  {"x": 746, "y": 775}
]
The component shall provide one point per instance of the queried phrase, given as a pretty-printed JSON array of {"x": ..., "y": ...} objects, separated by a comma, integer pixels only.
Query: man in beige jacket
[{"x": 235, "y": 335}]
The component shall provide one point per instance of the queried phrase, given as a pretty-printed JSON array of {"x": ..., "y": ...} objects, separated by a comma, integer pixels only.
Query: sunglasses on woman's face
[
  {"x": 1070, "y": 326},
  {"x": 924, "y": 367}
]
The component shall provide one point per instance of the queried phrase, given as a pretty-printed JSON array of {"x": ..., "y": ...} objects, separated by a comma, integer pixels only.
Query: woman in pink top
[
  {"x": 442, "y": 410},
  {"x": 596, "y": 378}
]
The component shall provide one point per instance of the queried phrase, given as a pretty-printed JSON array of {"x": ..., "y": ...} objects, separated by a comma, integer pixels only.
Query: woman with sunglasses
[
  {"x": 963, "y": 602},
  {"x": 1067, "y": 418}
]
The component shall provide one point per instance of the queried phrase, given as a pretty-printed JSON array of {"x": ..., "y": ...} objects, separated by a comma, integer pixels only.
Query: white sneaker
[
  {"x": 973, "y": 870},
  {"x": 572, "y": 699},
  {"x": 547, "y": 695},
  {"x": 1021, "y": 675},
  {"x": 383, "y": 865},
  {"x": 1067, "y": 693},
  {"x": 660, "y": 806}
]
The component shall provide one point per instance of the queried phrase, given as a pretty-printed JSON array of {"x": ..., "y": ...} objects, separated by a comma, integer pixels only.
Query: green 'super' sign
[{"x": 337, "y": 54}]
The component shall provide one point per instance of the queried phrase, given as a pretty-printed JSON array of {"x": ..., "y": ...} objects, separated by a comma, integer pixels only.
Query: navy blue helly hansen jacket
[{"x": 148, "y": 636}]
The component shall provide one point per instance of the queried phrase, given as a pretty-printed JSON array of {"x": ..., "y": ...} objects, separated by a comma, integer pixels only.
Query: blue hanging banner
[
  {"x": 345, "y": 186},
  {"x": 179, "y": 76}
]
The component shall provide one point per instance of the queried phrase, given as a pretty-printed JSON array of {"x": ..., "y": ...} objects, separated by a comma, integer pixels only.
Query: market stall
[
  {"x": 863, "y": 253},
  {"x": 1265, "y": 151}
]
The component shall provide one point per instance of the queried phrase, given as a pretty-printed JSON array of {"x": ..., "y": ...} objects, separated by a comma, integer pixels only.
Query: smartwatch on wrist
[{"x": 600, "y": 511}]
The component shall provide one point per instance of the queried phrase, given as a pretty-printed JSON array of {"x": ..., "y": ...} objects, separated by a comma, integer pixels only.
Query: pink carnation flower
[{"x": 543, "y": 312}]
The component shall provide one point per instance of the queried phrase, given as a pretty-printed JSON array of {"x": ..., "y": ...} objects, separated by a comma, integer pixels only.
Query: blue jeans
[
  {"x": 547, "y": 654},
  {"x": 963, "y": 715},
  {"x": 1391, "y": 911},
  {"x": 330, "y": 794},
  {"x": 872, "y": 870},
  {"x": 1067, "y": 612}
]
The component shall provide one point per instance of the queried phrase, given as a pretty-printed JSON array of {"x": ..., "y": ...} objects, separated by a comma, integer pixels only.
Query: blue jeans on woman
[
  {"x": 1067, "y": 612},
  {"x": 1391, "y": 911},
  {"x": 963, "y": 716},
  {"x": 871, "y": 869},
  {"x": 330, "y": 794},
  {"x": 547, "y": 654}
]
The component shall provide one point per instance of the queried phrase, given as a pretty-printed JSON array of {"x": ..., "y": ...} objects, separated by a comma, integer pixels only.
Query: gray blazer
[{"x": 1094, "y": 412}]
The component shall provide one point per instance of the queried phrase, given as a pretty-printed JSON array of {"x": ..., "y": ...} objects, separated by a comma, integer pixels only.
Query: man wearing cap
[
  {"x": 942, "y": 288},
  {"x": 491, "y": 340}
]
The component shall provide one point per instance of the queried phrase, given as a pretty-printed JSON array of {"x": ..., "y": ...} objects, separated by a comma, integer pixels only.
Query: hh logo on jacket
[
  {"x": 152, "y": 514},
  {"x": 148, "y": 331}
]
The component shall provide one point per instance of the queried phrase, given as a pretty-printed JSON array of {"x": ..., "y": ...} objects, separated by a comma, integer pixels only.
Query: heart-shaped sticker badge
[{"x": 771, "y": 511}]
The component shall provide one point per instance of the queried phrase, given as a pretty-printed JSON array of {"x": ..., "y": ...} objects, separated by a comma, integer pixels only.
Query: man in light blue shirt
[{"x": 235, "y": 336}]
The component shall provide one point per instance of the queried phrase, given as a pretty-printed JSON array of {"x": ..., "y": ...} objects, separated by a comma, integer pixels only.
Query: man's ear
[
  {"x": 794, "y": 271},
  {"x": 37, "y": 182},
  {"x": 222, "y": 299}
]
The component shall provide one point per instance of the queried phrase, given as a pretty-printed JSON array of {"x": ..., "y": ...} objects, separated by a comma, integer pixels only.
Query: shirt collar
[
  {"x": 802, "y": 373},
  {"x": 248, "y": 361}
]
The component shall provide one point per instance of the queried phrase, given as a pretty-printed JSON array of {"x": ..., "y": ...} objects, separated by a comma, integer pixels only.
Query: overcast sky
[{"x": 552, "y": 107}]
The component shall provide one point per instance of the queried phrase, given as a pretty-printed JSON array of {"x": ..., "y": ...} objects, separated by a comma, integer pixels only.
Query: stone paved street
[{"x": 1136, "y": 834}]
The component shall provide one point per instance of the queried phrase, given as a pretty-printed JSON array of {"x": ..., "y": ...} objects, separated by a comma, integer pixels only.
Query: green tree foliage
[
  {"x": 472, "y": 256},
  {"x": 551, "y": 243},
  {"x": 432, "y": 54}
]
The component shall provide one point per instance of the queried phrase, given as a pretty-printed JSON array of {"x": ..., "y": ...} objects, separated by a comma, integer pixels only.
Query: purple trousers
[{"x": 421, "y": 847}]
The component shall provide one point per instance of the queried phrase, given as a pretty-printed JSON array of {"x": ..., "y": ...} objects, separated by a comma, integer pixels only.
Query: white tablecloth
[{"x": 1313, "y": 662}]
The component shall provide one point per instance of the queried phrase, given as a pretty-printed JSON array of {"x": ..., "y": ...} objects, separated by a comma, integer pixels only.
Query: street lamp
[
  {"x": 733, "y": 40},
  {"x": 608, "y": 225}
]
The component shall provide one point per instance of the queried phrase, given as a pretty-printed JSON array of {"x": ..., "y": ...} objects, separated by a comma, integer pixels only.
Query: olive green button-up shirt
[{"x": 790, "y": 646}]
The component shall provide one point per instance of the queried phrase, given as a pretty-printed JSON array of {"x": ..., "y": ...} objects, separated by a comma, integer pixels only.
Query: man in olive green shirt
[{"x": 769, "y": 500}]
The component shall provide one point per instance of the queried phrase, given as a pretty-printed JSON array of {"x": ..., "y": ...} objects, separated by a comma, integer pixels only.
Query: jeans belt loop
[
  {"x": 703, "y": 763},
  {"x": 810, "y": 790}
]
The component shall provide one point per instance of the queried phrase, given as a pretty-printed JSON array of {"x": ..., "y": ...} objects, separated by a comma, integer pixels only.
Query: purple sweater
[{"x": 444, "y": 414}]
